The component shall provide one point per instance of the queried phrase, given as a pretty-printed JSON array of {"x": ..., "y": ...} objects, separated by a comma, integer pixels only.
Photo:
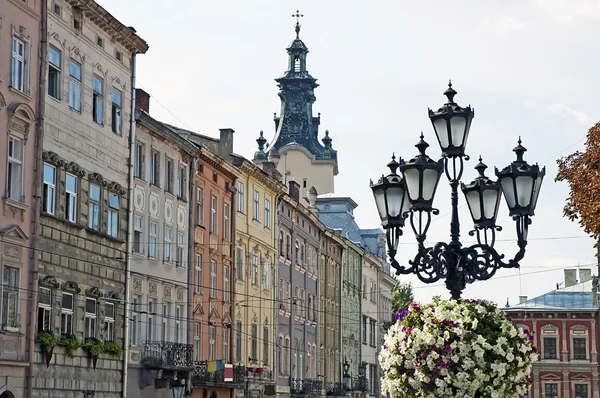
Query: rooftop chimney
[
  {"x": 294, "y": 190},
  {"x": 522, "y": 299},
  {"x": 585, "y": 274},
  {"x": 570, "y": 277},
  {"x": 226, "y": 142},
  {"x": 142, "y": 100}
]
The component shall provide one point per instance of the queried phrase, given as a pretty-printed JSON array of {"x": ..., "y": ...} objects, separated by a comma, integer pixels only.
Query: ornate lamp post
[{"x": 411, "y": 196}]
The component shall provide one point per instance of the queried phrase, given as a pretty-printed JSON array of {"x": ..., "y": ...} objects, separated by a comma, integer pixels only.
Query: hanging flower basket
[
  {"x": 464, "y": 348},
  {"x": 47, "y": 341},
  {"x": 95, "y": 347}
]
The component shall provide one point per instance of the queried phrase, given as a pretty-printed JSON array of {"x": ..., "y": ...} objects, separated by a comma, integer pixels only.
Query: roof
[{"x": 576, "y": 297}]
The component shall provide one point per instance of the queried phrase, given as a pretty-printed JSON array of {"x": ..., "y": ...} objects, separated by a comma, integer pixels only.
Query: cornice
[{"x": 251, "y": 170}]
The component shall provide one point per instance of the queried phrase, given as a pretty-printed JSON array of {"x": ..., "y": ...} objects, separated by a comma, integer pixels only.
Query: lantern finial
[
  {"x": 480, "y": 167},
  {"x": 422, "y": 145},
  {"x": 450, "y": 93},
  {"x": 393, "y": 165},
  {"x": 519, "y": 150}
]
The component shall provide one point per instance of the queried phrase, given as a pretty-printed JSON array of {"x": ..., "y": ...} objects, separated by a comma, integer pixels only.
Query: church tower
[{"x": 295, "y": 149}]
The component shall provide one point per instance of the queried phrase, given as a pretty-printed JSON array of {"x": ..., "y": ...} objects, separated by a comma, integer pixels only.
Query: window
[
  {"x": 66, "y": 314},
  {"x": 71, "y": 197},
  {"x": 98, "y": 99},
  {"x": 169, "y": 185},
  {"x": 226, "y": 285},
  {"x": 49, "y": 188},
  {"x": 364, "y": 331},
  {"x": 296, "y": 300},
  {"x": 137, "y": 234},
  {"x": 109, "y": 322},
  {"x": 254, "y": 343},
  {"x": 266, "y": 277},
  {"x": 226, "y": 221},
  {"x": 165, "y": 320},
  {"x": 238, "y": 341},
  {"x": 297, "y": 248},
  {"x": 116, "y": 111},
  {"x": 168, "y": 245},
  {"x": 256, "y": 205},
  {"x": 267, "y": 213},
  {"x": 281, "y": 296},
  {"x": 180, "y": 249},
  {"x": 153, "y": 239},
  {"x": 14, "y": 177},
  {"x": 213, "y": 214},
  {"x": 140, "y": 160},
  {"x": 364, "y": 286},
  {"x": 113, "y": 214},
  {"x": 310, "y": 303},
  {"x": 281, "y": 243},
  {"x": 10, "y": 297},
  {"x": 286, "y": 356},
  {"x": 57, "y": 10},
  {"x": 197, "y": 342},
  {"x": 182, "y": 182},
  {"x": 155, "y": 169},
  {"x": 265, "y": 345},
  {"x": 288, "y": 244},
  {"x": 240, "y": 197},
  {"x": 134, "y": 337},
  {"x": 581, "y": 391},
  {"x": 178, "y": 319},
  {"x": 100, "y": 42},
  {"x": 119, "y": 56},
  {"x": 213, "y": 278},
  {"x": 200, "y": 206},
  {"x": 94, "y": 207},
  {"x": 255, "y": 269},
  {"x": 198, "y": 273},
  {"x": 212, "y": 342},
  {"x": 90, "y": 318},
  {"x": 372, "y": 291},
  {"x": 226, "y": 344},
  {"x": 579, "y": 348},
  {"x": 239, "y": 264},
  {"x": 44, "y": 309},
  {"x": 280, "y": 354},
  {"x": 75, "y": 85},
  {"x": 372, "y": 330},
  {"x": 17, "y": 79},
  {"x": 550, "y": 348},
  {"x": 151, "y": 325},
  {"x": 302, "y": 254},
  {"x": 551, "y": 390},
  {"x": 302, "y": 303}
]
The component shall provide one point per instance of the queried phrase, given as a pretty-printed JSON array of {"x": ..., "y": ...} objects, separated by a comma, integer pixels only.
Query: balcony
[
  {"x": 360, "y": 383},
  {"x": 306, "y": 386},
  {"x": 167, "y": 355},
  {"x": 201, "y": 377},
  {"x": 336, "y": 389}
]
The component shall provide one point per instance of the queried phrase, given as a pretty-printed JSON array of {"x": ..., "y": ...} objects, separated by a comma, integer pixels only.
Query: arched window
[
  {"x": 288, "y": 245},
  {"x": 281, "y": 252},
  {"x": 286, "y": 355},
  {"x": 297, "y": 247},
  {"x": 297, "y": 66}
]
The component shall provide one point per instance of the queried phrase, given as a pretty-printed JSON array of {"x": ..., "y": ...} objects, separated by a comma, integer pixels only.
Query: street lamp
[
  {"x": 178, "y": 388},
  {"x": 456, "y": 264}
]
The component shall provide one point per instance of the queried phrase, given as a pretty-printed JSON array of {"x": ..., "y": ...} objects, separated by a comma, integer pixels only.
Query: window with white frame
[
  {"x": 549, "y": 344},
  {"x": 178, "y": 321},
  {"x": 113, "y": 214},
  {"x": 239, "y": 264},
  {"x": 240, "y": 197},
  {"x": 197, "y": 341},
  {"x": 180, "y": 249},
  {"x": 200, "y": 206},
  {"x": 213, "y": 214},
  {"x": 198, "y": 279},
  {"x": 266, "y": 277},
  {"x": 372, "y": 329},
  {"x": 151, "y": 334},
  {"x": 109, "y": 321},
  {"x": 44, "y": 309},
  {"x": 182, "y": 181},
  {"x": 94, "y": 207},
  {"x": 256, "y": 207},
  {"x": 153, "y": 239},
  {"x": 579, "y": 347},
  {"x": 97, "y": 99},
  {"x": 75, "y": 85},
  {"x": 226, "y": 224},
  {"x": 137, "y": 234},
  {"x": 226, "y": 285},
  {"x": 134, "y": 338},
  {"x": 168, "y": 246},
  {"x": 170, "y": 176},
  {"x": 551, "y": 390},
  {"x": 226, "y": 337},
  {"x": 18, "y": 72},
  {"x": 54, "y": 73},
  {"x": 71, "y": 197},
  {"x": 48, "y": 206},
  {"x": 14, "y": 177},
  {"x": 372, "y": 291},
  {"x": 212, "y": 343},
  {"x": 254, "y": 269},
  {"x": 155, "y": 168},
  {"x": 267, "y": 213},
  {"x": 116, "y": 111},
  {"x": 90, "y": 318},
  {"x": 66, "y": 314},
  {"x": 213, "y": 278},
  {"x": 254, "y": 343},
  {"x": 140, "y": 160},
  {"x": 164, "y": 324},
  {"x": 10, "y": 298}
]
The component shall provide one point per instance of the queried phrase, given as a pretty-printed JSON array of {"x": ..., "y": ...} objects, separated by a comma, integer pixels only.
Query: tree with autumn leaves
[{"x": 581, "y": 170}]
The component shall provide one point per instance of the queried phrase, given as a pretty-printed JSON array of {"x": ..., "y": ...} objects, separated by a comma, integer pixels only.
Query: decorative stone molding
[
  {"x": 137, "y": 285},
  {"x": 100, "y": 69},
  {"x": 152, "y": 289},
  {"x": 53, "y": 158},
  {"x": 180, "y": 299},
  {"x": 167, "y": 292},
  {"x": 49, "y": 281},
  {"x": 71, "y": 286},
  {"x": 93, "y": 292},
  {"x": 75, "y": 169},
  {"x": 98, "y": 178},
  {"x": 115, "y": 186},
  {"x": 56, "y": 36},
  {"x": 112, "y": 295}
]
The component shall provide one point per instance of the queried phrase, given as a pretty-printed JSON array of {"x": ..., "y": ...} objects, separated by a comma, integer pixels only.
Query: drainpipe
[
  {"x": 37, "y": 191},
  {"x": 277, "y": 301},
  {"x": 129, "y": 231},
  {"x": 190, "y": 256},
  {"x": 232, "y": 274}
]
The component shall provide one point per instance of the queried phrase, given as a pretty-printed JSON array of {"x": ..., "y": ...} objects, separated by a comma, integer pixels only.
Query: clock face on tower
[{"x": 295, "y": 124}]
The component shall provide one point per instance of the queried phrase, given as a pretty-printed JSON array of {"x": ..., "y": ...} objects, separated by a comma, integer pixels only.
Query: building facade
[
  {"x": 20, "y": 96},
  {"x": 162, "y": 192},
  {"x": 298, "y": 293},
  {"x": 81, "y": 250},
  {"x": 565, "y": 329},
  {"x": 371, "y": 267}
]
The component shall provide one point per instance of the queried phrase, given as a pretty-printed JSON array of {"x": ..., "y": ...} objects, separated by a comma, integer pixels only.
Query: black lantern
[
  {"x": 391, "y": 197},
  {"x": 451, "y": 124},
  {"x": 422, "y": 175},
  {"x": 483, "y": 198},
  {"x": 521, "y": 184}
]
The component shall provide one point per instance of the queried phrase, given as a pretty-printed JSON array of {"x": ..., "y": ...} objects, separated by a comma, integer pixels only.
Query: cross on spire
[{"x": 297, "y": 15}]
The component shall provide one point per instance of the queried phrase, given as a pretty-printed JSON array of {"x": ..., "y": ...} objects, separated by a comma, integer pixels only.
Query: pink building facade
[{"x": 19, "y": 93}]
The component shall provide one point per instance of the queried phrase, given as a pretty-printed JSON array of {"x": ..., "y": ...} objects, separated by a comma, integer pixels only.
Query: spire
[{"x": 297, "y": 15}]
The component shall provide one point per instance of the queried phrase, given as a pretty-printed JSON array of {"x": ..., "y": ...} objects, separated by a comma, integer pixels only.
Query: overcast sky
[{"x": 528, "y": 67}]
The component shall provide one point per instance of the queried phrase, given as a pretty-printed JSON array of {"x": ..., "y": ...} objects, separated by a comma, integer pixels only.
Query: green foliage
[
  {"x": 402, "y": 295},
  {"x": 113, "y": 348},
  {"x": 94, "y": 346},
  {"x": 47, "y": 339},
  {"x": 71, "y": 344}
]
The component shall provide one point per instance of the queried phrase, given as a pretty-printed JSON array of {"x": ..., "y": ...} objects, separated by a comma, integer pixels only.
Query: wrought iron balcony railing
[
  {"x": 202, "y": 377},
  {"x": 335, "y": 389},
  {"x": 306, "y": 386},
  {"x": 358, "y": 383},
  {"x": 167, "y": 355}
]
